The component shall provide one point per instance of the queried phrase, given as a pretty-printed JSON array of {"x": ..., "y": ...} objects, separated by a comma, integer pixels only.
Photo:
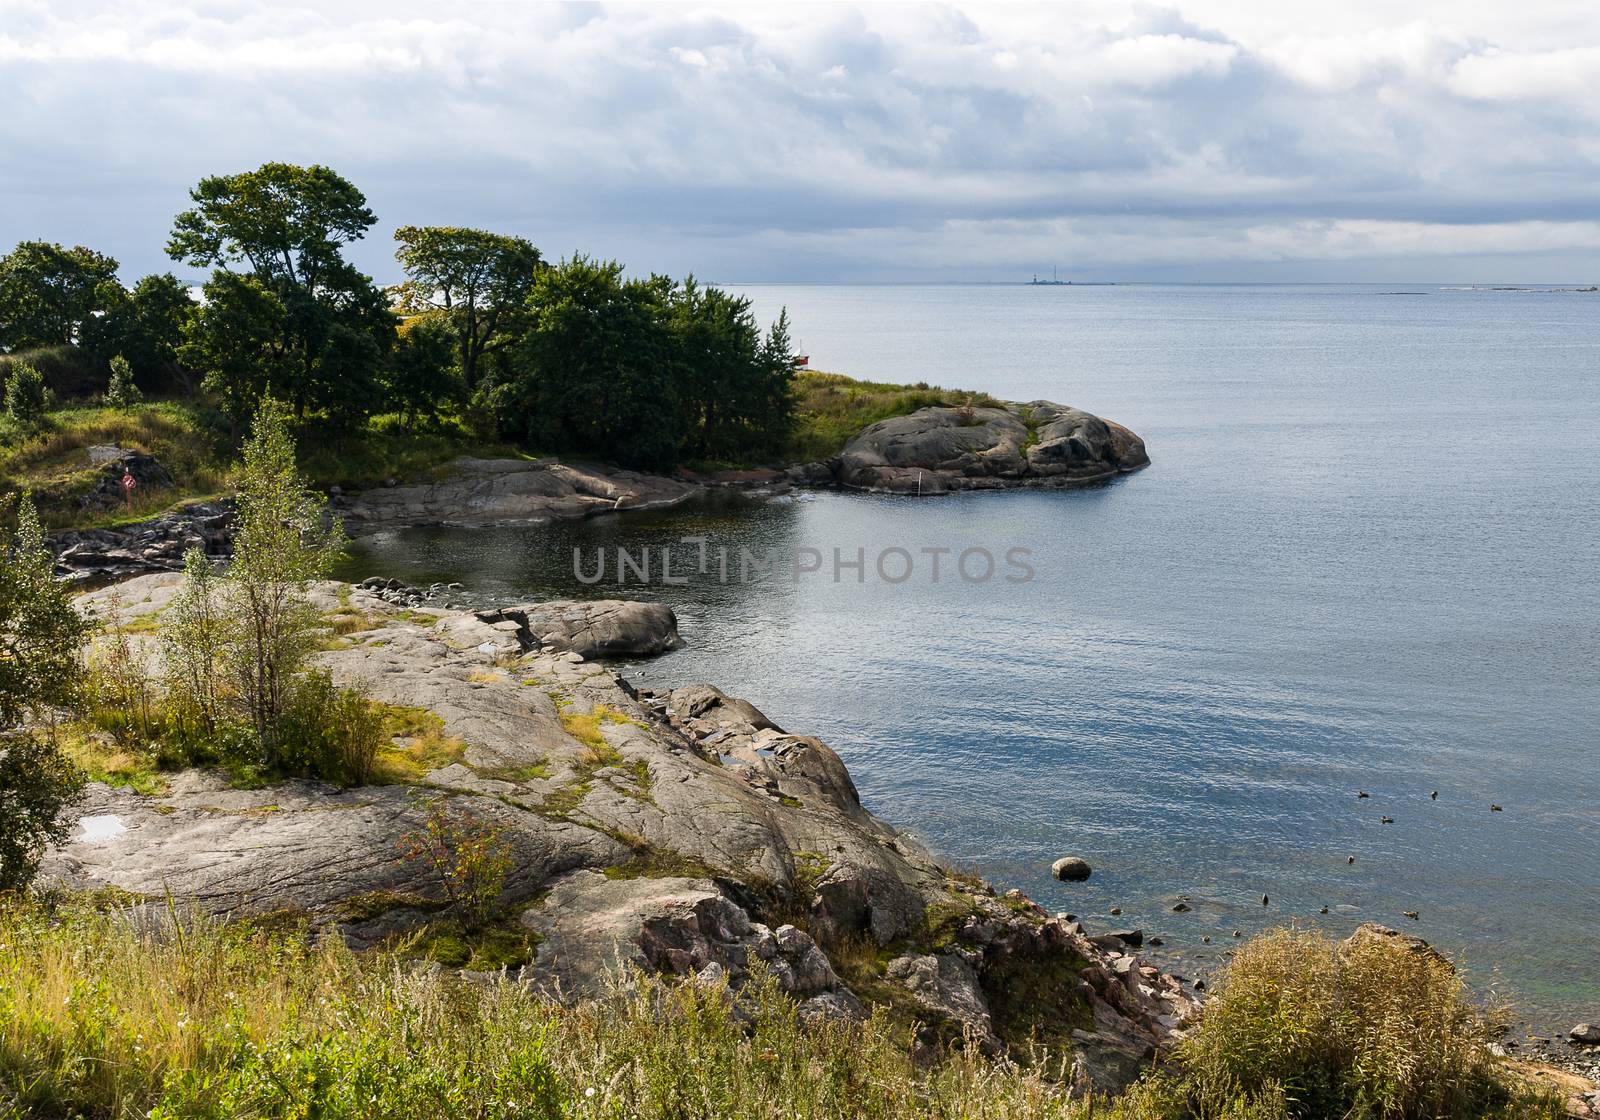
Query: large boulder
[
  {"x": 157, "y": 545},
  {"x": 939, "y": 449},
  {"x": 598, "y": 628}
]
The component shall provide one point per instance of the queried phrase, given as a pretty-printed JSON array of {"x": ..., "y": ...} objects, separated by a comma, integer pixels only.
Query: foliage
[
  {"x": 52, "y": 461},
  {"x": 193, "y": 640},
  {"x": 303, "y": 325},
  {"x": 37, "y": 786},
  {"x": 735, "y": 383},
  {"x": 469, "y": 857},
  {"x": 330, "y": 733},
  {"x": 40, "y": 633},
  {"x": 121, "y": 392},
  {"x": 48, "y": 293},
  {"x": 831, "y": 408},
  {"x": 1306, "y": 1027},
  {"x": 420, "y": 379},
  {"x": 282, "y": 542},
  {"x": 477, "y": 279},
  {"x": 119, "y": 684},
  {"x": 145, "y": 324},
  {"x": 26, "y": 401}
]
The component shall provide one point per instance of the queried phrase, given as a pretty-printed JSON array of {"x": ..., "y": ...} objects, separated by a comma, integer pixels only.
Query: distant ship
[{"x": 1050, "y": 281}]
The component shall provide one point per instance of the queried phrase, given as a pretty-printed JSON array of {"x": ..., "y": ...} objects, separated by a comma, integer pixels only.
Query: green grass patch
[
  {"x": 417, "y": 745},
  {"x": 830, "y": 409}
]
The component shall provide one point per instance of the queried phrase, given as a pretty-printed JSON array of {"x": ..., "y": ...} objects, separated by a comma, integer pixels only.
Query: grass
[
  {"x": 188, "y": 1017},
  {"x": 385, "y": 448},
  {"x": 417, "y": 745},
  {"x": 830, "y": 408},
  {"x": 54, "y": 462},
  {"x": 586, "y": 728},
  {"x": 102, "y": 759}
]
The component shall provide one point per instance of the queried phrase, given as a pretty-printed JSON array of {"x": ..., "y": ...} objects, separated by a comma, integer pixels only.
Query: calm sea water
[{"x": 1367, "y": 556}]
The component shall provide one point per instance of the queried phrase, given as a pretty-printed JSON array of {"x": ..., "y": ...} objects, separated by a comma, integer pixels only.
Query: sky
[{"x": 1198, "y": 140}]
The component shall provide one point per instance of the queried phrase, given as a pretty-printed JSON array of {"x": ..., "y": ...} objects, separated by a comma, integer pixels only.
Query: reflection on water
[{"x": 1302, "y": 597}]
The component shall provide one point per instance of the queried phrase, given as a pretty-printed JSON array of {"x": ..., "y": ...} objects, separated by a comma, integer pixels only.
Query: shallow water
[{"x": 1365, "y": 557}]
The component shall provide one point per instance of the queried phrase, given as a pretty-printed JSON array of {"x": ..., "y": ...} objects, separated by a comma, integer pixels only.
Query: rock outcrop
[
  {"x": 936, "y": 450},
  {"x": 505, "y": 491},
  {"x": 597, "y": 628},
  {"x": 113, "y": 463},
  {"x": 157, "y": 545},
  {"x": 680, "y": 831}
]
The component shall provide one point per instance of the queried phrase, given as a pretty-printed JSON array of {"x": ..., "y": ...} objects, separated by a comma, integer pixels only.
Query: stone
[
  {"x": 1586, "y": 1033},
  {"x": 946, "y": 984},
  {"x": 583, "y": 629},
  {"x": 938, "y": 449},
  {"x": 509, "y": 491},
  {"x": 1071, "y": 869},
  {"x": 1133, "y": 938}
]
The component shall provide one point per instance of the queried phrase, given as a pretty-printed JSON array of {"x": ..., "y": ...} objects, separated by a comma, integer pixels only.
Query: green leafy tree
[
  {"x": 479, "y": 280},
  {"x": 194, "y": 642},
  {"x": 121, "y": 392},
  {"x": 26, "y": 398},
  {"x": 303, "y": 323},
  {"x": 594, "y": 370},
  {"x": 285, "y": 222},
  {"x": 145, "y": 324},
  {"x": 282, "y": 541},
  {"x": 40, "y": 632},
  {"x": 48, "y": 293},
  {"x": 38, "y": 784},
  {"x": 421, "y": 377},
  {"x": 40, "y": 639},
  {"x": 734, "y": 384},
  {"x": 239, "y": 337}
]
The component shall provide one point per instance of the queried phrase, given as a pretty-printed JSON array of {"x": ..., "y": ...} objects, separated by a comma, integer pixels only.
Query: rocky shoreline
[
  {"x": 680, "y": 831},
  {"x": 929, "y": 452}
]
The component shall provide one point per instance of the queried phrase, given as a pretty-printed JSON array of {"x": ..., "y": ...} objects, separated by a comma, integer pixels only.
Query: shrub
[
  {"x": 118, "y": 695},
  {"x": 121, "y": 392},
  {"x": 40, "y": 633},
  {"x": 467, "y": 855},
  {"x": 330, "y": 733},
  {"x": 1304, "y": 1026},
  {"x": 26, "y": 402}
]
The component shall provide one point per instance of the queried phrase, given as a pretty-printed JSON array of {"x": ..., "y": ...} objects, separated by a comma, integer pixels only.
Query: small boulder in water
[{"x": 1071, "y": 869}]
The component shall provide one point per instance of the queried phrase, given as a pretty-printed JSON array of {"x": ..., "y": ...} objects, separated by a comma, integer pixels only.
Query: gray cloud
[{"x": 1211, "y": 139}]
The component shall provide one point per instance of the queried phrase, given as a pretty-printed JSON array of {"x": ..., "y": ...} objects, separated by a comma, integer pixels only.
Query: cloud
[{"x": 820, "y": 141}]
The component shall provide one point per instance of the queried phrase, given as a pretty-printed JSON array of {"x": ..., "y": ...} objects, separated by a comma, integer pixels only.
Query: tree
[
  {"x": 735, "y": 386},
  {"x": 37, "y": 787},
  {"x": 26, "y": 399},
  {"x": 281, "y": 543},
  {"x": 420, "y": 377},
  {"x": 194, "y": 639},
  {"x": 48, "y": 293},
  {"x": 40, "y": 639},
  {"x": 303, "y": 323},
  {"x": 145, "y": 324},
  {"x": 286, "y": 222},
  {"x": 480, "y": 280},
  {"x": 595, "y": 371},
  {"x": 239, "y": 338},
  {"x": 40, "y": 632},
  {"x": 121, "y": 392}
]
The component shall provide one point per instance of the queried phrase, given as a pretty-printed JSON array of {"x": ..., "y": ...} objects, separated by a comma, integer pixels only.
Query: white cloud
[{"x": 801, "y": 139}]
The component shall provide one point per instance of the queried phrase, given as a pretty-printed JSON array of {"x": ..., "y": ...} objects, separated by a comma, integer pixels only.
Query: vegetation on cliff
[{"x": 115, "y": 1011}]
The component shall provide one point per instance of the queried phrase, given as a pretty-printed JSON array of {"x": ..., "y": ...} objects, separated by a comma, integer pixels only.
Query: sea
[{"x": 1365, "y": 558}]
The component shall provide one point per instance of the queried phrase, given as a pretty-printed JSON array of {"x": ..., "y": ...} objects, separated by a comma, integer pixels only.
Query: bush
[
  {"x": 330, "y": 733},
  {"x": 467, "y": 855},
  {"x": 26, "y": 402},
  {"x": 1308, "y": 1027},
  {"x": 121, "y": 392}
]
